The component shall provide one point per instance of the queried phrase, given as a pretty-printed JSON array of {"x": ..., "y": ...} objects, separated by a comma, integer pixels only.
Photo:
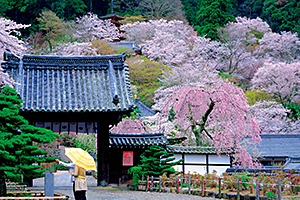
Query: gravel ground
[
  {"x": 118, "y": 194},
  {"x": 63, "y": 185}
]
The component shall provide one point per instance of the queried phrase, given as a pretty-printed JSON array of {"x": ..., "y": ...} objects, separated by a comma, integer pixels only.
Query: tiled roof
[
  {"x": 191, "y": 150},
  {"x": 279, "y": 146},
  {"x": 71, "y": 84},
  {"x": 292, "y": 163},
  {"x": 113, "y": 16},
  {"x": 145, "y": 111},
  {"x": 121, "y": 140}
]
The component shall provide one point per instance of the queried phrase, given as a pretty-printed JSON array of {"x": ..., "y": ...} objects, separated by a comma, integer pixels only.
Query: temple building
[{"x": 79, "y": 94}]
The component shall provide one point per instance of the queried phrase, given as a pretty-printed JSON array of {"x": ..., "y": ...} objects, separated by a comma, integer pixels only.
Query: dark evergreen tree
[
  {"x": 214, "y": 14},
  {"x": 191, "y": 7},
  {"x": 282, "y": 15},
  {"x": 157, "y": 161},
  {"x": 249, "y": 8},
  {"x": 19, "y": 157}
]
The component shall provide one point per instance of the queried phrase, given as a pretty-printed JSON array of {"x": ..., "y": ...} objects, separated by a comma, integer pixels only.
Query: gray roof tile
[
  {"x": 145, "y": 111},
  {"x": 191, "y": 149},
  {"x": 71, "y": 84},
  {"x": 279, "y": 146},
  {"x": 121, "y": 140},
  {"x": 292, "y": 163}
]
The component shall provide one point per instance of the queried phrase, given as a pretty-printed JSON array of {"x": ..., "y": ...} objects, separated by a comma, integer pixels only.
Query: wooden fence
[{"x": 202, "y": 187}]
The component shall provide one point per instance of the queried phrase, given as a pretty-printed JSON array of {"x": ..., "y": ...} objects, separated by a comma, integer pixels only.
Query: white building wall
[
  {"x": 215, "y": 159},
  {"x": 194, "y": 159}
]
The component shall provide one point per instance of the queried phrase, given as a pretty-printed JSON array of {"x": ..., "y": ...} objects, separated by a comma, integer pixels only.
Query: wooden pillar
[
  {"x": 207, "y": 170},
  {"x": 183, "y": 164},
  {"x": 76, "y": 128},
  {"x": 86, "y": 127},
  {"x": 103, "y": 152},
  {"x": 59, "y": 129}
]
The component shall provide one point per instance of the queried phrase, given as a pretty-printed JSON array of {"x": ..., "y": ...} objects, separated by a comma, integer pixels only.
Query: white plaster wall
[
  {"x": 194, "y": 158},
  {"x": 201, "y": 159},
  {"x": 215, "y": 159}
]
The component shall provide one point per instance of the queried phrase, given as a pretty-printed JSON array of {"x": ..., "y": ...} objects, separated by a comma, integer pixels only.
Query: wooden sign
[{"x": 127, "y": 158}]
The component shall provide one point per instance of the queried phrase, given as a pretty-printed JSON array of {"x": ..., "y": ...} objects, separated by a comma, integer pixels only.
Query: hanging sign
[{"x": 127, "y": 158}]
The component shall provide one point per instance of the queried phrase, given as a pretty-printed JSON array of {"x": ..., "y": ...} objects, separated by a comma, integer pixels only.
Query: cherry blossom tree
[
  {"x": 132, "y": 125},
  {"x": 283, "y": 47},
  {"x": 218, "y": 115},
  {"x": 75, "y": 49},
  {"x": 273, "y": 118},
  {"x": 139, "y": 31},
  {"x": 90, "y": 27},
  {"x": 201, "y": 75},
  {"x": 281, "y": 80},
  {"x": 240, "y": 39},
  {"x": 9, "y": 42},
  {"x": 167, "y": 41}
]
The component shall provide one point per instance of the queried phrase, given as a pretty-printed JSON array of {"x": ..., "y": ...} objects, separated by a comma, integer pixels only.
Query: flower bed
[{"x": 246, "y": 186}]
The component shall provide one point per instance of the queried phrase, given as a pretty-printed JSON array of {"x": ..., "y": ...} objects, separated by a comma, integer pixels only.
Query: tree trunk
[
  {"x": 198, "y": 132},
  {"x": 2, "y": 185},
  {"x": 198, "y": 135},
  {"x": 49, "y": 42}
]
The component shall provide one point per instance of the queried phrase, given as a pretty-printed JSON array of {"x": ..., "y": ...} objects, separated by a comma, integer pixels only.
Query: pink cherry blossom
[
  {"x": 9, "y": 42},
  {"x": 90, "y": 27},
  {"x": 218, "y": 115},
  {"x": 281, "y": 80},
  {"x": 273, "y": 118}
]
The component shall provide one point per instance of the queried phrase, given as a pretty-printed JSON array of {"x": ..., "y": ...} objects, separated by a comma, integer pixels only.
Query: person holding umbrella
[
  {"x": 80, "y": 182},
  {"x": 82, "y": 161}
]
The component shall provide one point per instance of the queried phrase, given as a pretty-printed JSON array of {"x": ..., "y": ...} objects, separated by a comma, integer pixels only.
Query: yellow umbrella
[{"x": 81, "y": 158}]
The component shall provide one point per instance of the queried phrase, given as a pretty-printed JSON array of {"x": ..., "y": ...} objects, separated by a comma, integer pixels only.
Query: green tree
[
  {"x": 127, "y": 7},
  {"x": 74, "y": 8},
  {"x": 86, "y": 142},
  {"x": 157, "y": 9},
  {"x": 250, "y": 8},
  {"x": 191, "y": 7},
  {"x": 157, "y": 161},
  {"x": 294, "y": 113},
  {"x": 282, "y": 15},
  {"x": 257, "y": 95},
  {"x": 19, "y": 157},
  {"x": 212, "y": 15},
  {"x": 52, "y": 26},
  {"x": 145, "y": 75}
]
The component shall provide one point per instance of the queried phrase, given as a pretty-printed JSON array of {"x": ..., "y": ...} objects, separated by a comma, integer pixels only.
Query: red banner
[{"x": 127, "y": 158}]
